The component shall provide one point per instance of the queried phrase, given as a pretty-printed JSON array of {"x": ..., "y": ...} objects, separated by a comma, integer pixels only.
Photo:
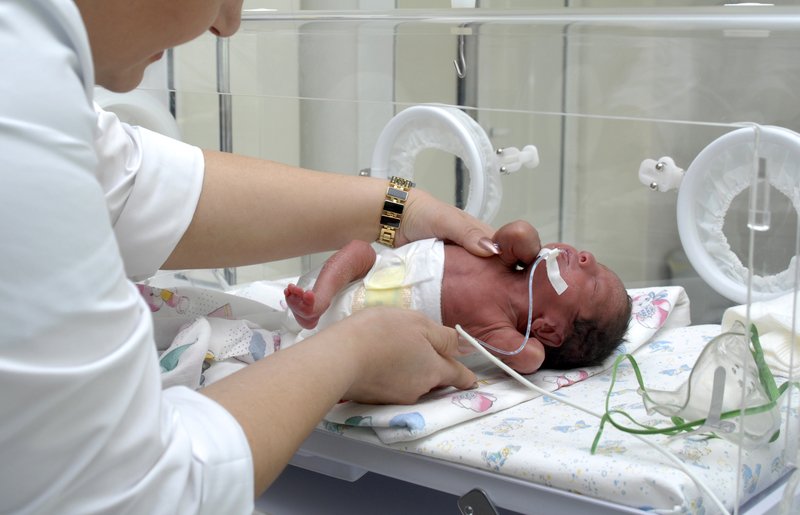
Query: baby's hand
[
  {"x": 519, "y": 243},
  {"x": 529, "y": 360}
]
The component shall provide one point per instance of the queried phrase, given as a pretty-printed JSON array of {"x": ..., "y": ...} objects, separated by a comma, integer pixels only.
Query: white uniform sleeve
[
  {"x": 152, "y": 184},
  {"x": 86, "y": 427}
]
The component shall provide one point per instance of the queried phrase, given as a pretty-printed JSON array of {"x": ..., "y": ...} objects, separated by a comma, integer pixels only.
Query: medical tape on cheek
[{"x": 553, "y": 272}]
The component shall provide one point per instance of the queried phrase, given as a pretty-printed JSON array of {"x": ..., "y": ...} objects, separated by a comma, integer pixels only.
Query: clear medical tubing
[{"x": 556, "y": 281}]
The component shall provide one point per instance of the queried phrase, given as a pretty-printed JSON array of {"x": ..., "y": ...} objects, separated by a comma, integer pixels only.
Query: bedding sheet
[
  {"x": 204, "y": 335},
  {"x": 653, "y": 309}
]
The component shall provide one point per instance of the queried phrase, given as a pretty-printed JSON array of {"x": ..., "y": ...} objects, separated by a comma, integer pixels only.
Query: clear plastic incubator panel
[{"x": 664, "y": 141}]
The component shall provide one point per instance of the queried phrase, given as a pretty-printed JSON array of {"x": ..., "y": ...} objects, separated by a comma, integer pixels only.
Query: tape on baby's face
[{"x": 553, "y": 272}]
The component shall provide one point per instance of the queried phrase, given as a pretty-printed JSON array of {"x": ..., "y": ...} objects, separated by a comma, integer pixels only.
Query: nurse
[{"x": 88, "y": 203}]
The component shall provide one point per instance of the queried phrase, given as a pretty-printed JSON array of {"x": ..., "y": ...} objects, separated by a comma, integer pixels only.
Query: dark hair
[{"x": 589, "y": 343}]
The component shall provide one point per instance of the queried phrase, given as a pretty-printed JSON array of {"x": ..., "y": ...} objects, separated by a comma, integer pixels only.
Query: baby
[{"x": 489, "y": 299}]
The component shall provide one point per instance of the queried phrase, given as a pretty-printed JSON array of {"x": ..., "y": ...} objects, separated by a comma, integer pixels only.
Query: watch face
[{"x": 399, "y": 194}]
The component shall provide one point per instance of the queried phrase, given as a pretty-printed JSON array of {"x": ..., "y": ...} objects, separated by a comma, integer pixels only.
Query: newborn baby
[{"x": 489, "y": 299}]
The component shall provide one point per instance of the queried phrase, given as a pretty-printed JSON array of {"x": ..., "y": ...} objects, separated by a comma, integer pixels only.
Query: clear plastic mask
[{"x": 730, "y": 392}]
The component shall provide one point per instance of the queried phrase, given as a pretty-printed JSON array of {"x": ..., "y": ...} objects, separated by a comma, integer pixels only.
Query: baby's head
[
  {"x": 589, "y": 320},
  {"x": 590, "y": 342}
]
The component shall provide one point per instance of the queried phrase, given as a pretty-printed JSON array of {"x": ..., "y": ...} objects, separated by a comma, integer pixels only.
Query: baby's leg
[{"x": 351, "y": 262}]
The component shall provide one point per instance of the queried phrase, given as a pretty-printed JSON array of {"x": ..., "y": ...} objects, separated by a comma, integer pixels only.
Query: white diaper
[{"x": 409, "y": 277}]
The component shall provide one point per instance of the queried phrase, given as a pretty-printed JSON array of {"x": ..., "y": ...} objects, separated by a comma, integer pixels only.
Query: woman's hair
[{"x": 590, "y": 342}]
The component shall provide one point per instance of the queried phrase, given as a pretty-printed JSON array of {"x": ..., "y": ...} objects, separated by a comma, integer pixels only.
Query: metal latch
[{"x": 476, "y": 502}]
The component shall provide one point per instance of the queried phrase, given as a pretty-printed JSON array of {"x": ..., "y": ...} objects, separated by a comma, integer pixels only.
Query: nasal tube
[{"x": 558, "y": 283}]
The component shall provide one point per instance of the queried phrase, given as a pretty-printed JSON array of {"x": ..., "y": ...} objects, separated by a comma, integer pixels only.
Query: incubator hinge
[
  {"x": 512, "y": 159},
  {"x": 476, "y": 502},
  {"x": 662, "y": 175}
]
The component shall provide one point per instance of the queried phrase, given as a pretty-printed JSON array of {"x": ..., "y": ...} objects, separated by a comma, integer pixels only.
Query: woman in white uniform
[{"x": 88, "y": 203}]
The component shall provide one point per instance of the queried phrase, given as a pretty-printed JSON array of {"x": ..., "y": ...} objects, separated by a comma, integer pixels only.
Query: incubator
[{"x": 665, "y": 141}]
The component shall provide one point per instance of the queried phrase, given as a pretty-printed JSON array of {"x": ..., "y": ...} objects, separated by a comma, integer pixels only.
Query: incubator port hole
[
  {"x": 437, "y": 172},
  {"x": 771, "y": 252}
]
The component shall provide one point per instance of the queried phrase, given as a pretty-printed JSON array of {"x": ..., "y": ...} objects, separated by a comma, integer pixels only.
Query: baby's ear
[{"x": 548, "y": 333}]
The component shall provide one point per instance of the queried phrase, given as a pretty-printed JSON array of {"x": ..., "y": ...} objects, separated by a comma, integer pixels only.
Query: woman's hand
[
  {"x": 400, "y": 354},
  {"x": 427, "y": 217}
]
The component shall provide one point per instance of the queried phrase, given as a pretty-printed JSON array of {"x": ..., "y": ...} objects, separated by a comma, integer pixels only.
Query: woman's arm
[
  {"x": 378, "y": 355},
  {"x": 253, "y": 211}
]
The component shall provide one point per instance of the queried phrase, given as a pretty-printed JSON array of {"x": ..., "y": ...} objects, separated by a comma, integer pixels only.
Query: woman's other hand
[
  {"x": 401, "y": 355},
  {"x": 378, "y": 355}
]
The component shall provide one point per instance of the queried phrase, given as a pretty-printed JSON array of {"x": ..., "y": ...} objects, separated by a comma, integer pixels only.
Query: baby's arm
[
  {"x": 528, "y": 360},
  {"x": 351, "y": 262}
]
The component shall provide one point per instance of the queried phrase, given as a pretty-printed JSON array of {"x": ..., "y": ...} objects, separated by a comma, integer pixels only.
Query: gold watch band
[{"x": 393, "y": 205}]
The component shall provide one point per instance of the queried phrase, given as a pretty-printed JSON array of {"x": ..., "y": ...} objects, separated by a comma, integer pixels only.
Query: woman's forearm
[
  {"x": 279, "y": 400},
  {"x": 377, "y": 355},
  {"x": 253, "y": 211}
]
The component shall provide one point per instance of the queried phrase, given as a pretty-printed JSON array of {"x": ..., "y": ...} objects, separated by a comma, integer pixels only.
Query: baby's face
[{"x": 593, "y": 291}]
